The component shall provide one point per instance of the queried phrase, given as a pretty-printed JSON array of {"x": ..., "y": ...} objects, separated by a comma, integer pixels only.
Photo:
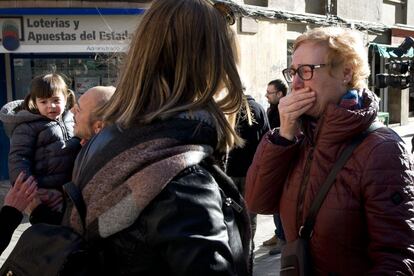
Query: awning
[{"x": 387, "y": 51}]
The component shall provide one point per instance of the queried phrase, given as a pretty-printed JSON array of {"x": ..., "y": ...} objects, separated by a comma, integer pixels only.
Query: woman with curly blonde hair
[{"x": 365, "y": 223}]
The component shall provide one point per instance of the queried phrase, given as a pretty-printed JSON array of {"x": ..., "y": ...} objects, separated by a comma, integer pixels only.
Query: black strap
[
  {"x": 306, "y": 230},
  {"x": 75, "y": 195}
]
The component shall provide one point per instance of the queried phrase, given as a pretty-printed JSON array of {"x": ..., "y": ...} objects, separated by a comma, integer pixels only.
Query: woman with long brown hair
[{"x": 151, "y": 188}]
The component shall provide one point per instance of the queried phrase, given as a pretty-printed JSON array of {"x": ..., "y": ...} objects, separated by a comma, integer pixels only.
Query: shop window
[
  {"x": 81, "y": 72},
  {"x": 317, "y": 7},
  {"x": 394, "y": 12},
  {"x": 261, "y": 3}
]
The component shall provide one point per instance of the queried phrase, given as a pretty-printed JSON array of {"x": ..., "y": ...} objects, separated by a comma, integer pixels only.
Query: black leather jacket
[
  {"x": 10, "y": 219},
  {"x": 177, "y": 234},
  {"x": 189, "y": 228}
]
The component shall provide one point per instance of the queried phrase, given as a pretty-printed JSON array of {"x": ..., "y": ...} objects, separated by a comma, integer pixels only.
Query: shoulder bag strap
[
  {"x": 76, "y": 197},
  {"x": 306, "y": 230}
]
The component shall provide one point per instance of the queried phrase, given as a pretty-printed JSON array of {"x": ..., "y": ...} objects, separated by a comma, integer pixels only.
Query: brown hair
[
  {"x": 180, "y": 58},
  {"x": 345, "y": 47},
  {"x": 279, "y": 85},
  {"x": 45, "y": 86}
]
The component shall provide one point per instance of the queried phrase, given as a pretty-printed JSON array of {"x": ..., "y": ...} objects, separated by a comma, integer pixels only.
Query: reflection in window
[{"x": 80, "y": 72}]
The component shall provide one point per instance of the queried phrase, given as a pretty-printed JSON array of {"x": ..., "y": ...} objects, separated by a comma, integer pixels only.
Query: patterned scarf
[{"x": 149, "y": 158}]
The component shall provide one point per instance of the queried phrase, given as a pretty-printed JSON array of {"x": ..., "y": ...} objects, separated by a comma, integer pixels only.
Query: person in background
[
  {"x": 40, "y": 128},
  {"x": 276, "y": 89},
  {"x": 86, "y": 122},
  {"x": 16, "y": 201},
  {"x": 365, "y": 224},
  {"x": 152, "y": 191},
  {"x": 251, "y": 129}
]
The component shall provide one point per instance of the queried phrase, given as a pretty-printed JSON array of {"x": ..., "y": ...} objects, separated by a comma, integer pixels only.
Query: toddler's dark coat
[{"x": 40, "y": 146}]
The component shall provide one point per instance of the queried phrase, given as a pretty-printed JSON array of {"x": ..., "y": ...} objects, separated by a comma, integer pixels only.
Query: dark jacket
[
  {"x": 10, "y": 218},
  {"x": 365, "y": 225},
  {"x": 239, "y": 159},
  {"x": 39, "y": 146},
  {"x": 189, "y": 228},
  {"x": 273, "y": 115},
  {"x": 176, "y": 234}
]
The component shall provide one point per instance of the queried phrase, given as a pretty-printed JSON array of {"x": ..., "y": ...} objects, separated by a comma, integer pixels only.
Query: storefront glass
[{"x": 80, "y": 72}]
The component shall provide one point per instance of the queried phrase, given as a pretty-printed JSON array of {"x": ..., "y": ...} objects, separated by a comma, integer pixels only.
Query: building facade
[
  {"x": 267, "y": 29},
  {"x": 84, "y": 41}
]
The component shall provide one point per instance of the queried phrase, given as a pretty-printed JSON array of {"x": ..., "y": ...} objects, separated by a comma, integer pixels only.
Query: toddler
[{"x": 41, "y": 133}]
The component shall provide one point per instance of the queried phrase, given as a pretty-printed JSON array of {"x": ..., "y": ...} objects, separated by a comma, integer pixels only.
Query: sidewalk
[
  {"x": 406, "y": 132},
  {"x": 264, "y": 264}
]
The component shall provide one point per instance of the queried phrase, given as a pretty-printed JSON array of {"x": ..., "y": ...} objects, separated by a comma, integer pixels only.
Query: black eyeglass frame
[
  {"x": 272, "y": 93},
  {"x": 287, "y": 73}
]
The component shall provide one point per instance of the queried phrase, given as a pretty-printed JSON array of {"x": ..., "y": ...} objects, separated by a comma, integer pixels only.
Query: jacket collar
[{"x": 338, "y": 124}]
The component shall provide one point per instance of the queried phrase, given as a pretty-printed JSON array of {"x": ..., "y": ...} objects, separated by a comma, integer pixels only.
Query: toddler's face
[{"x": 52, "y": 107}]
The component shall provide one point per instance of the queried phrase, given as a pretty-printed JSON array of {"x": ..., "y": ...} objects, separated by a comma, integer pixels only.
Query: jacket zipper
[
  {"x": 63, "y": 128},
  {"x": 302, "y": 191},
  {"x": 231, "y": 203},
  {"x": 303, "y": 187}
]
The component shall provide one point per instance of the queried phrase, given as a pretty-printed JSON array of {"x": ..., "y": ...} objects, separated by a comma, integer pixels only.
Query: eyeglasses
[
  {"x": 271, "y": 92},
  {"x": 304, "y": 71}
]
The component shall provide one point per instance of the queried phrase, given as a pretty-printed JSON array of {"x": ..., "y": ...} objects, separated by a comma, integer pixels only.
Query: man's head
[
  {"x": 276, "y": 89},
  {"x": 86, "y": 123}
]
